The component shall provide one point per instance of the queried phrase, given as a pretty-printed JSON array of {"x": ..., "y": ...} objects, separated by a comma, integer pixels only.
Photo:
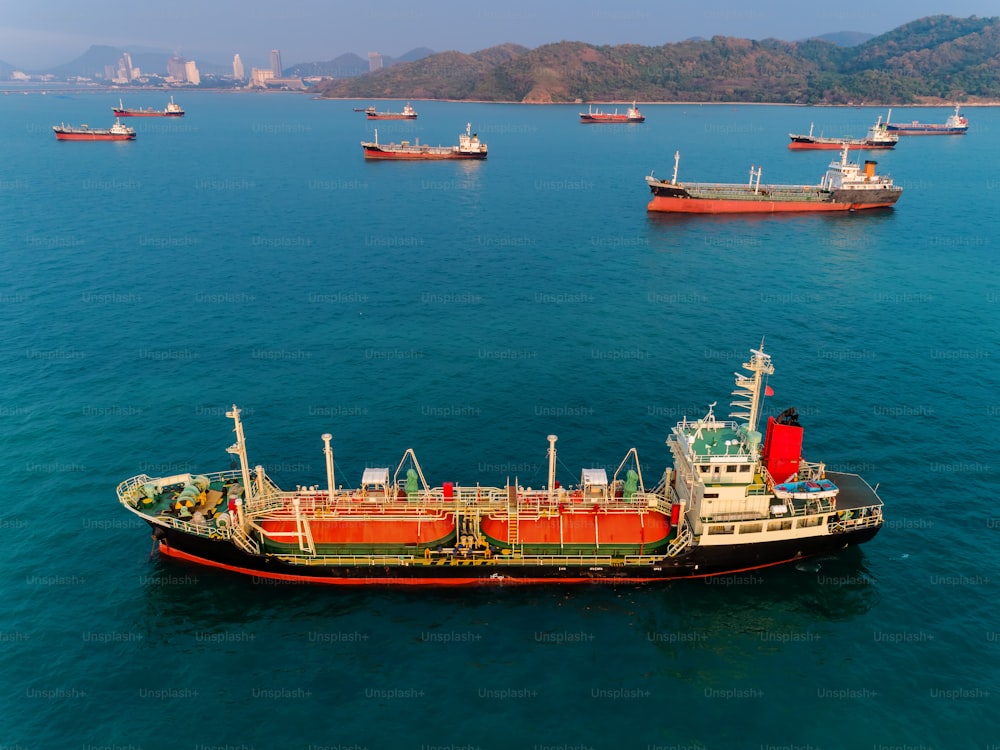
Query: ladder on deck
[
  {"x": 683, "y": 540},
  {"x": 244, "y": 542},
  {"x": 512, "y": 523}
]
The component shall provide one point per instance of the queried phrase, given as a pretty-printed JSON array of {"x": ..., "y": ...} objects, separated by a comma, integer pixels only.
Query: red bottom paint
[{"x": 499, "y": 580}]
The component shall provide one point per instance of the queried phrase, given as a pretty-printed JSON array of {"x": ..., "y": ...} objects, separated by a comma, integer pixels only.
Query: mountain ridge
[{"x": 937, "y": 58}]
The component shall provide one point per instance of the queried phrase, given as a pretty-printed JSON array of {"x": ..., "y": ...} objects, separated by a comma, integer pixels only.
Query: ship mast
[
  {"x": 239, "y": 448},
  {"x": 328, "y": 452},
  {"x": 751, "y": 387},
  {"x": 552, "y": 465}
]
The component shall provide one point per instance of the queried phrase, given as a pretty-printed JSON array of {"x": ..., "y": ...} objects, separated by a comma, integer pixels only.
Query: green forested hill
[{"x": 934, "y": 58}]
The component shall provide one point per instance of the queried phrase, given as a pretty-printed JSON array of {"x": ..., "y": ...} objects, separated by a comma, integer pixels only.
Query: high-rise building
[
  {"x": 276, "y": 63},
  {"x": 374, "y": 61},
  {"x": 127, "y": 64},
  {"x": 238, "y": 73},
  {"x": 191, "y": 74},
  {"x": 260, "y": 76},
  {"x": 175, "y": 68}
]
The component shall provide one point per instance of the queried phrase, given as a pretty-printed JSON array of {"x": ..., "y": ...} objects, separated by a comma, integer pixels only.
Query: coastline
[{"x": 62, "y": 89}]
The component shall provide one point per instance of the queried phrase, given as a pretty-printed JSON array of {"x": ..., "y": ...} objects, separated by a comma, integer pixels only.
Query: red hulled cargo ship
[
  {"x": 844, "y": 187},
  {"x": 172, "y": 110},
  {"x": 116, "y": 132},
  {"x": 469, "y": 147},
  {"x": 631, "y": 115},
  {"x": 726, "y": 505}
]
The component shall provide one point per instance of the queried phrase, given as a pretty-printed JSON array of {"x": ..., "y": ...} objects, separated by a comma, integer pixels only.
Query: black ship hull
[{"x": 696, "y": 562}]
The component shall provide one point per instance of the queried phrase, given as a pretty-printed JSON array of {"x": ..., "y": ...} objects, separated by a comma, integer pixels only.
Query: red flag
[{"x": 768, "y": 390}]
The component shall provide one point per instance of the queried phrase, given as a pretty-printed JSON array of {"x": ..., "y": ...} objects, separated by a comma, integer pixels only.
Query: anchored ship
[
  {"x": 632, "y": 114},
  {"x": 845, "y": 187},
  {"x": 469, "y": 147},
  {"x": 116, "y": 132},
  {"x": 877, "y": 137},
  {"x": 172, "y": 110},
  {"x": 407, "y": 114},
  {"x": 734, "y": 500},
  {"x": 956, "y": 124}
]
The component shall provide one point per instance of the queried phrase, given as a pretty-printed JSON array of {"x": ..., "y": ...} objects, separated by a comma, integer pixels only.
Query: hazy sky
[{"x": 41, "y": 33}]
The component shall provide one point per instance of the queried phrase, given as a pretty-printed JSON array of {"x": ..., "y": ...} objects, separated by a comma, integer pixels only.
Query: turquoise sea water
[{"x": 247, "y": 254}]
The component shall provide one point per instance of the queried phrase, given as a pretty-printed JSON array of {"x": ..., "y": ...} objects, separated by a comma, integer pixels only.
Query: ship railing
[
  {"x": 204, "y": 529},
  {"x": 856, "y": 518},
  {"x": 592, "y": 561},
  {"x": 359, "y": 504},
  {"x": 365, "y": 514},
  {"x": 766, "y": 476},
  {"x": 129, "y": 490},
  {"x": 811, "y": 470},
  {"x": 741, "y": 515},
  {"x": 659, "y": 503},
  {"x": 760, "y": 192},
  {"x": 810, "y": 506},
  {"x": 270, "y": 489}
]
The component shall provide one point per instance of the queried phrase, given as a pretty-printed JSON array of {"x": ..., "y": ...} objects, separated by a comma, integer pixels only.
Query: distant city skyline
[{"x": 46, "y": 33}]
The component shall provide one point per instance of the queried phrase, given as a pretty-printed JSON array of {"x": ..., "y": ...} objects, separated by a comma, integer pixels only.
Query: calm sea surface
[{"x": 247, "y": 254}]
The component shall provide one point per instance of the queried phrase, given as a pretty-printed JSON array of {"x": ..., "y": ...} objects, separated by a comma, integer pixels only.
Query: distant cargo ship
[
  {"x": 469, "y": 147},
  {"x": 878, "y": 137},
  {"x": 632, "y": 114},
  {"x": 172, "y": 110},
  {"x": 844, "y": 187},
  {"x": 116, "y": 132},
  {"x": 408, "y": 113},
  {"x": 956, "y": 124}
]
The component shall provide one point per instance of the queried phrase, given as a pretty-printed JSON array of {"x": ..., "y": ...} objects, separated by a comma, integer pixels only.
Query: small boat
[
  {"x": 469, "y": 147},
  {"x": 956, "y": 124},
  {"x": 878, "y": 137},
  {"x": 719, "y": 509},
  {"x": 845, "y": 187},
  {"x": 172, "y": 110},
  {"x": 808, "y": 490},
  {"x": 632, "y": 114},
  {"x": 116, "y": 132},
  {"x": 408, "y": 113}
]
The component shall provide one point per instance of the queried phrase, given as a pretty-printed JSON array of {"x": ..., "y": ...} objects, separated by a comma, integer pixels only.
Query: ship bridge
[{"x": 718, "y": 451}]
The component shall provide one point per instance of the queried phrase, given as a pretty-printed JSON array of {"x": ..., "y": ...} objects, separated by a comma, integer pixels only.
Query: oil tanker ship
[
  {"x": 632, "y": 114},
  {"x": 956, "y": 124},
  {"x": 877, "y": 137},
  {"x": 408, "y": 113},
  {"x": 734, "y": 500},
  {"x": 116, "y": 132},
  {"x": 172, "y": 110},
  {"x": 469, "y": 147},
  {"x": 845, "y": 187}
]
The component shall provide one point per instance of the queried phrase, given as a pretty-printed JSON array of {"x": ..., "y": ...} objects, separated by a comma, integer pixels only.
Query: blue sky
[{"x": 42, "y": 33}]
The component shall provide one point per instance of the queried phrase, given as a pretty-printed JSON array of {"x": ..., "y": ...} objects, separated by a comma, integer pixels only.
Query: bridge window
[{"x": 725, "y": 529}]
